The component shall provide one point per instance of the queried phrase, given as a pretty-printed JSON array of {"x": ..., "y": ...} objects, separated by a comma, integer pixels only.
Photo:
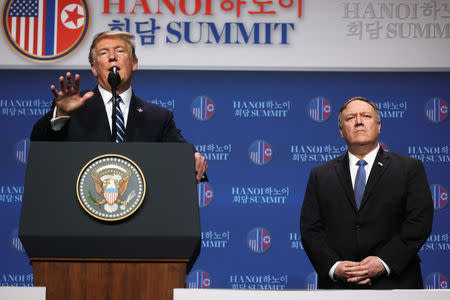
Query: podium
[{"x": 78, "y": 256}]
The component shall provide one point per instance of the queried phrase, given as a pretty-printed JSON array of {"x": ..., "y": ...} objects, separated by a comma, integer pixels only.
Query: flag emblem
[
  {"x": 259, "y": 240},
  {"x": 203, "y": 108},
  {"x": 440, "y": 196},
  {"x": 384, "y": 146},
  {"x": 15, "y": 241},
  {"x": 436, "y": 281},
  {"x": 22, "y": 150},
  {"x": 205, "y": 194},
  {"x": 311, "y": 281},
  {"x": 260, "y": 152},
  {"x": 436, "y": 110},
  {"x": 45, "y": 30},
  {"x": 319, "y": 109},
  {"x": 198, "y": 280}
]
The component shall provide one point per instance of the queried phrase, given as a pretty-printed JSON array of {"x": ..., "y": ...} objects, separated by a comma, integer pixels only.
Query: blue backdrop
[{"x": 262, "y": 132}]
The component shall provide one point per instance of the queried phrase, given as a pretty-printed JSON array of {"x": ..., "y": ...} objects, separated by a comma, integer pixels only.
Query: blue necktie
[
  {"x": 119, "y": 122},
  {"x": 360, "y": 182}
]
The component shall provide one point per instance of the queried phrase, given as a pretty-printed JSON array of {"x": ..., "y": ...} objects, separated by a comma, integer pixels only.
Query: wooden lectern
[{"x": 76, "y": 256}]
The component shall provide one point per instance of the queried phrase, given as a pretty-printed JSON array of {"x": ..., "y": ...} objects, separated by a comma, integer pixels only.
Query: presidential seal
[{"x": 111, "y": 187}]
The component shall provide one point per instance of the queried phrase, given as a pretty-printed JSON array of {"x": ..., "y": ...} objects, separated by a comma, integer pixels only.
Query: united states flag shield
[
  {"x": 111, "y": 195},
  {"x": 45, "y": 30}
]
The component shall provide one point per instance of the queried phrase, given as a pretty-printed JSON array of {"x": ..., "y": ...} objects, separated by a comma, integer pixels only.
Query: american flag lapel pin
[
  {"x": 140, "y": 109},
  {"x": 380, "y": 163}
]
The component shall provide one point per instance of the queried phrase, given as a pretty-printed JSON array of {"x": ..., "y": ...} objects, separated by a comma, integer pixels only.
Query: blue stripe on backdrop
[
  {"x": 50, "y": 28},
  {"x": 243, "y": 197}
]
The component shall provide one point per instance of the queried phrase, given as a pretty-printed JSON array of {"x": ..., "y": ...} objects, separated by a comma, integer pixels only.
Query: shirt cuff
[
  {"x": 57, "y": 123},
  {"x": 388, "y": 270},
  {"x": 331, "y": 273}
]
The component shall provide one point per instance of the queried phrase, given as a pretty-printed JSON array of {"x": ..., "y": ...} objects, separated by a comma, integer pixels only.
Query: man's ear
[
  {"x": 94, "y": 70},
  {"x": 135, "y": 65}
]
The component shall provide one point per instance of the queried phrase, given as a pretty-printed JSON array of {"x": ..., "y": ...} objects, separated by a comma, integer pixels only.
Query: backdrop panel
[{"x": 262, "y": 132}]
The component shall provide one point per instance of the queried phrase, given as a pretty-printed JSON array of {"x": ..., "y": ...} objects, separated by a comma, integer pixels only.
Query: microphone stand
[{"x": 114, "y": 114}]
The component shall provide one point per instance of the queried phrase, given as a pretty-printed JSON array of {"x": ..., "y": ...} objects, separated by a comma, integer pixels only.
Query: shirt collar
[
  {"x": 369, "y": 158},
  {"x": 107, "y": 96}
]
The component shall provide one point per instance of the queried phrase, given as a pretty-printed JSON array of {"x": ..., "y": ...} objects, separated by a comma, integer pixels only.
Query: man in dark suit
[
  {"x": 362, "y": 226},
  {"x": 86, "y": 116}
]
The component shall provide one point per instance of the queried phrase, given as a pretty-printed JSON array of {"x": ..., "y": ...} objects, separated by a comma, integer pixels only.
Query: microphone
[{"x": 113, "y": 78}]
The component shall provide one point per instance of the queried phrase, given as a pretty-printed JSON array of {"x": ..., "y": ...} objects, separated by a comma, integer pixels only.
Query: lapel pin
[
  {"x": 140, "y": 109},
  {"x": 380, "y": 164}
]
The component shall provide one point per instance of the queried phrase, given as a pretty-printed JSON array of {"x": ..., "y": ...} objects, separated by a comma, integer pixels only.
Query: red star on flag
[{"x": 73, "y": 16}]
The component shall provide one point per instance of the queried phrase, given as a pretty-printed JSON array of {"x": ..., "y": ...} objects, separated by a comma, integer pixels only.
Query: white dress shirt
[{"x": 369, "y": 158}]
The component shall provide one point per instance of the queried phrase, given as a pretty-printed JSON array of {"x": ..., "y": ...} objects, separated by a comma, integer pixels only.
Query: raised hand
[{"x": 68, "y": 98}]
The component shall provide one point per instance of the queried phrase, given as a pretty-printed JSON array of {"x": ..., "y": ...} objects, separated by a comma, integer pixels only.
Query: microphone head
[{"x": 113, "y": 77}]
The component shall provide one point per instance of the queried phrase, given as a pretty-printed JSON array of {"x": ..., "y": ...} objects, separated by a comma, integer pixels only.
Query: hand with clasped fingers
[
  {"x": 68, "y": 98},
  {"x": 201, "y": 165},
  {"x": 360, "y": 273}
]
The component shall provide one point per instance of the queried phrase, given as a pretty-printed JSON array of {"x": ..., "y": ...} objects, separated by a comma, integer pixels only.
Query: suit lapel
[
  {"x": 96, "y": 107},
  {"x": 135, "y": 117},
  {"x": 343, "y": 172},
  {"x": 380, "y": 165}
]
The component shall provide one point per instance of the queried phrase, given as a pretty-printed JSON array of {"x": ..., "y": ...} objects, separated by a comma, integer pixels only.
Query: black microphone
[{"x": 113, "y": 78}]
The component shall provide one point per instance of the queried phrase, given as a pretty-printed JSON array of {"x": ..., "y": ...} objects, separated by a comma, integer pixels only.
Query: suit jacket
[
  {"x": 147, "y": 122},
  {"x": 393, "y": 222}
]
